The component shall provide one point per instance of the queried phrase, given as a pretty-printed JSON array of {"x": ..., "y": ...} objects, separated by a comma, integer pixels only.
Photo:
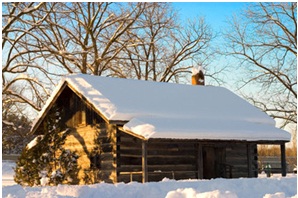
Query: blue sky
[{"x": 215, "y": 13}]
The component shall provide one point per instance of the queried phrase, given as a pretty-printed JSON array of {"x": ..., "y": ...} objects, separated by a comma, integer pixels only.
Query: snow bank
[
  {"x": 217, "y": 188},
  {"x": 190, "y": 192},
  {"x": 7, "y": 169},
  {"x": 274, "y": 187},
  {"x": 7, "y": 173}
]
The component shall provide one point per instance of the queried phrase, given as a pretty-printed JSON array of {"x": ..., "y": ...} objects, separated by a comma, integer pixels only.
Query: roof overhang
[{"x": 265, "y": 142}]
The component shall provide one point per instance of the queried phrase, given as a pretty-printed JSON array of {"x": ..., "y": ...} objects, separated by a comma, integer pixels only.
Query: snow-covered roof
[{"x": 168, "y": 110}]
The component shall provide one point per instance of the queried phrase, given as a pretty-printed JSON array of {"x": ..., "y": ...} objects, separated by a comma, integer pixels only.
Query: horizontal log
[
  {"x": 107, "y": 156},
  {"x": 129, "y": 168},
  {"x": 180, "y": 167},
  {"x": 133, "y": 155},
  {"x": 107, "y": 172},
  {"x": 237, "y": 152},
  {"x": 152, "y": 146},
  {"x": 172, "y": 152},
  {"x": 240, "y": 166},
  {"x": 234, "y": 152},
  {"x": 177, "y": 156},
  {"x": 170, "y": 160},
  {"x": 129, "y": 161},
  {"x": 236, "y": 160},
  {"x": 129, "y": 139},
  {"x": 157, "y": 154},
  {"x": 170, "y": 148},
  {"x": 131, "y": 173},
  {"x": 129, "y": 146},
  {"x": 108, "y": 165},
  {"x": 107, "y": 147}
]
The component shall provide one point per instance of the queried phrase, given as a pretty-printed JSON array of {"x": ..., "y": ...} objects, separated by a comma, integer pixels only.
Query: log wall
[
  {"x": 129, "y": 158},
  {"x": 243, "y": 158},
  {"x": 121, "y": 157},
  {"x": 174, "y": 160},
  {"x": 95, "y": 148},
  {"x": 180, "y": 159},
  {"x": 164, "y": 159}
]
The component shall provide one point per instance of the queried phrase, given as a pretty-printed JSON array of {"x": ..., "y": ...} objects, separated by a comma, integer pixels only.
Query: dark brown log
[{"x": 283, "y": 160}]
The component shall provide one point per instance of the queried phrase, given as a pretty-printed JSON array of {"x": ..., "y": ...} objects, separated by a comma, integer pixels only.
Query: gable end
[{"x": 73, "y": 102}]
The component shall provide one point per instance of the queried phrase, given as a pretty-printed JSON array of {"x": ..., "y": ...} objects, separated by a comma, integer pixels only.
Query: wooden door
[
  {"x": 213, "y": 159},
  {"x": 208, "y": 162}
]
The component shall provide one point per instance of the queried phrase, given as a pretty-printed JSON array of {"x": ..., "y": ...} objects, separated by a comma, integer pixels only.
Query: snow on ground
[
  {"x": 7, "y": 173},
  {"x": 263, "y": 187}
]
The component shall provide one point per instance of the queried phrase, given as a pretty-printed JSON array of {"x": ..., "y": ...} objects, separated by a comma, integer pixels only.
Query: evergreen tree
[
  {"x": 45, "y": 157},
  {"x": 27, "y": 170}
]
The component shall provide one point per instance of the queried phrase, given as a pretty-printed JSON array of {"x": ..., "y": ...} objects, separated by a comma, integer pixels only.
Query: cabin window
[{"x": 95, "y": 161}]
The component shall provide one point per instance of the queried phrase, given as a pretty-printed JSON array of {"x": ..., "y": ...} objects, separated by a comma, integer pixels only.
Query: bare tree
[
  {"x": 20, "y": 57},
  {"x": 264, "y": 41},
  {"x": 160, "y": 48},
  {"x": 85, "y": 37}
]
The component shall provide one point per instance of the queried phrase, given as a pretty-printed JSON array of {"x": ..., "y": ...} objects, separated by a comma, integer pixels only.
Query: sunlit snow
[{"x": 262, "y": 187}]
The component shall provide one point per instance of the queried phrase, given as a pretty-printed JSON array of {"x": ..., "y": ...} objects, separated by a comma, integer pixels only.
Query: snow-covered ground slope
[{"x": 274, "y": 187}]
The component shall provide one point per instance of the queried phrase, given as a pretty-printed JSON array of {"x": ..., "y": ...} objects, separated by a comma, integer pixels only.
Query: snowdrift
[{"x": 274, "y": 187}]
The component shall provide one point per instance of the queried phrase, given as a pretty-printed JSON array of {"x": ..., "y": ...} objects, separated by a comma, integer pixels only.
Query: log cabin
[{"x": 132, "y": 130}]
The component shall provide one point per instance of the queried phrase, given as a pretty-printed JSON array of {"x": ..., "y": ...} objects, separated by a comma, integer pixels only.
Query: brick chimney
[{"x": 197, "y": 77}]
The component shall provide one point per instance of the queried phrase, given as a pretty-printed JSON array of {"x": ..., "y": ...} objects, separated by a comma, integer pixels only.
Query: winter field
[{"x": 263, "y": 187}]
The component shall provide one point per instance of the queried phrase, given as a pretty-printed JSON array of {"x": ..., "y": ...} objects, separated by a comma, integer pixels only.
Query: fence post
[
  {"x": 283, "y": 160},
  {"x": 144, "y": 162}
]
